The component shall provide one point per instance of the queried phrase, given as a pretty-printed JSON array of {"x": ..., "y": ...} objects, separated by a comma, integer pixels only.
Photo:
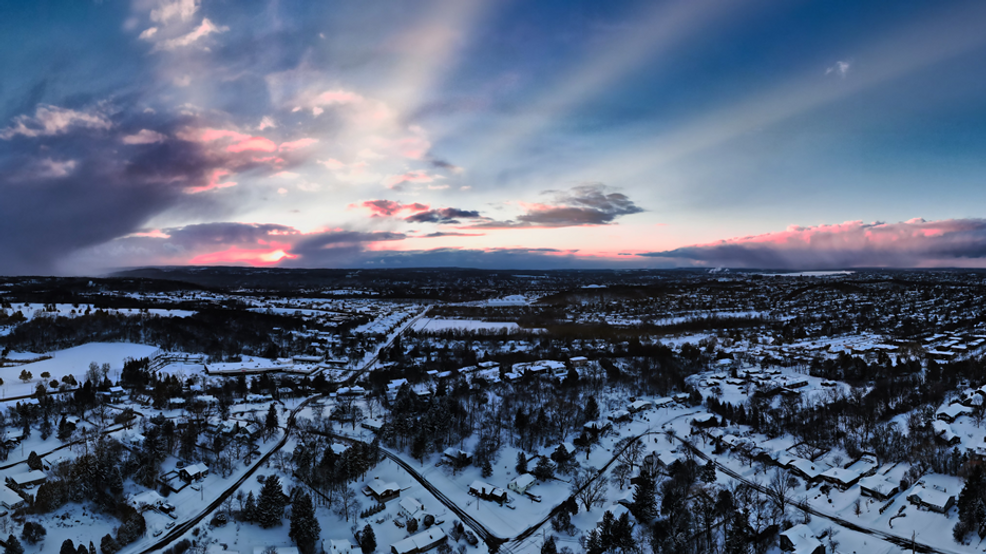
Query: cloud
[
  {"x": 214, "y": 182},
  {"x": 205, "y": 29},
  {"x": 144, "y": 136},
  {"x": 52, "y": 120},
  {"x": 53, "y": 169},
  {"x": 180, "y": 9},
  {"x": 443, "y": 234},
  {"x": 296, "y": 144},
  {"x": 389, "y": 208},
  {"x": 397, "y": 181},
  {"x": 912, "y": 243},
  {"x": 840, "y": 68},
  {"x": 592, "y": 204},
  {"x": 443, "y": 216},
  {"x": 442, "y": 164}
]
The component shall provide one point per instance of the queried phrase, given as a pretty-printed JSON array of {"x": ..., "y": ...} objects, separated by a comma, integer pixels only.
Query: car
[
  {"x": 167, "y": 507},
  {"x": 158, "y": 531},
  {"x": 169, "y": 525}
]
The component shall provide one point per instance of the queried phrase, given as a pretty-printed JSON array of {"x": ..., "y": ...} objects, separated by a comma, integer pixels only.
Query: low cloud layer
[{"x": 913, "y": 243}]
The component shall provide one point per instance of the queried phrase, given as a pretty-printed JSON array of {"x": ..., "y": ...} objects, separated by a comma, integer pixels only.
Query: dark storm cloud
[
  {"x": 592, "y": 204},
  {"x": 913, "y": 243},
  {"x": 74, "y": 188},
  {"x": 443, "y": 216}
]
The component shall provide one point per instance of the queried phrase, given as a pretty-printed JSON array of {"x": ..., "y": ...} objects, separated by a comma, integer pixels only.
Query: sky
[{"x": 498, "y": 134}]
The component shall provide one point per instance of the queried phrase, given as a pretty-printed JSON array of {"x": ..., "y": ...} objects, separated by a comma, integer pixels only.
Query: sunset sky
[{"x": 786, "y": 134}]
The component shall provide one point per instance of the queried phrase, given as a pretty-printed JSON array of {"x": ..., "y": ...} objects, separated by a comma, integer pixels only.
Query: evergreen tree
[
  {"x": 67, "y": 547},
  {"x": 487, "y": 468},
  {"x": 545, "y": 470},
  {"x": 249, "y": 512},
  {"x": 972, "y": 512},
  {"x": 368, "y": 540},
  {"x": 304, "y": 525},
  {"x": 13, "y": 546},
  {"x": 412, "y": 526},
  {"x": 82, "y": 549},
  {"x": 108, "y": 545},
  {"x": 549, "y": 546},
  {"x": 33, "y": 532},
  {"x": 591, "y": 409},
  {"x": 644, "y": 506},
  {"x": 271, "y": 423},
  {"x": 521, "y": 466},
  {"x": 270, "y": 504},
  {"x": 34, "y": 461}
]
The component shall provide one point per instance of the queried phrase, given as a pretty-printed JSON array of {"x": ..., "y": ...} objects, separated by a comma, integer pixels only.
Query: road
[
  {"x": 187, "y": 525},
  {"x": 897, "y": 540}
]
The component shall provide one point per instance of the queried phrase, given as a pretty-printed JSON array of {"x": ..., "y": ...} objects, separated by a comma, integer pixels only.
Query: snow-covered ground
[
  {"x": 438, "y": 325},
  {"x": 72, "y": 361}
]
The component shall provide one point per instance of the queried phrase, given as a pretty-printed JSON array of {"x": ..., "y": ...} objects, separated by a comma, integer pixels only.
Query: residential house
[
  {"x": 521, "y": 483},
  {"x": 800, "y": 539}
]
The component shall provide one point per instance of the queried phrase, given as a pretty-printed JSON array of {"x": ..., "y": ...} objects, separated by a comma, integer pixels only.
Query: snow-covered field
[
  {"x": 438, "y": 325},
  {"x": 72, "y": 361}
]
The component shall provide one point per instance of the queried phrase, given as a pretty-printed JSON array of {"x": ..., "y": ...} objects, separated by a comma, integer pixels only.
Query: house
[
  {"x": 458, "y": 458},
  {"x": 800, "y": 539},
  {"x": 422, "y": 542},
  {"x": 579, "y": 361},
  {"x": 374, "y": 426},
  {"x": 380, "y": 491},
  {"x": 664, "y": 402},
  {"x": 842, "y": 478},
  {"x": 597, "y": 426},
  {"x": 29, "y": 478},
  {"x": 487, "y": 491},
  {"x": 342, "y": 546},
  {"x": 9, "y": 499},
  {"x": 877, "y": 486},
  {"x": 193, "y": 472},
  {"x": 806, "y": 470},
  {"x": 944, "y": 433},
  {"x": 934, "y": 498},
  {"x": 411, "y": 508},
  {"x": 117, "y": 393},
  {"x": 521, "y": 483},
  {"x": 639, "y": 406},
  {"x": 619, "y": 415},
  {"x": 952, "y": 412}
]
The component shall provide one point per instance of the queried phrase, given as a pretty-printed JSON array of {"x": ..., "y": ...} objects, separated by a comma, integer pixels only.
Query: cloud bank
[{"x": 907, "y": 244}]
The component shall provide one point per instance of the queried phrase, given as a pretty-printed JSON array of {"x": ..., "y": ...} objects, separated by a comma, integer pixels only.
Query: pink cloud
[
  {"x": 214, "y": 183},
  {"x": 245, "y": 256},
  {"x": 296, "y": 144},
  {"x": 338, "y": 96},
  {"x": 389, "y": 208},
  {"x": 912, "y": 243},
  {"x": 260, "y": 144}
]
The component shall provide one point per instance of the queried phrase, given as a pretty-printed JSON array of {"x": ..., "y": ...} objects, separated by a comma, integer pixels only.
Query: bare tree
[
  {"x": 621, "y": 473},
  {"x": 780, "y": 486},
  {"x": 589, "y": 489},
  {"x": 346, "y": 503},
  {"x": 632, "y": 453}
]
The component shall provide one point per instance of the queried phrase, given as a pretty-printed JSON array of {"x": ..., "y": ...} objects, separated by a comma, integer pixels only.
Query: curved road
[
  {"x": 903, "y": 542},
  {"x": 186, "y": 526}
]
